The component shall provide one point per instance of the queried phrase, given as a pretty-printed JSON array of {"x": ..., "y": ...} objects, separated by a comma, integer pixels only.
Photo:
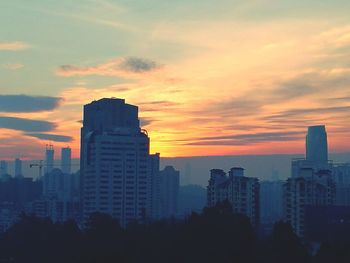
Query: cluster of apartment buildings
[
  {"x": 316, "y": 185},
  {"x": 120, "y": 177}
]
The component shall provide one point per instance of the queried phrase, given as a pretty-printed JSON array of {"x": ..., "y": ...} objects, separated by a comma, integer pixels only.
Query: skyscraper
[
  {"x": 49, "y": 158},
  {"x": 169, "y": 191},
  {"x": 18, "y": 168},
  {"x": 66, "y": 160},
  {"x": 316, "y": 144},
  {"x": 310, "y": 189},
  {"x": 116, "y": 167},
  {"x": 3, "y": 168}
]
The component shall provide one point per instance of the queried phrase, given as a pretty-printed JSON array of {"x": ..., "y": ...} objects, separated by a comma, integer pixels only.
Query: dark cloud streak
[
  {"x": 138, "y": 65},
  {"x": 26, "y": 125},
  {"x": 50, "y": 137},
  {"x": 25, "y": 103}
]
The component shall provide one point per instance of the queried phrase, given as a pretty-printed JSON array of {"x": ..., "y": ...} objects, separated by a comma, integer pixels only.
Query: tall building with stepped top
[{"x": 117, "y": 169}]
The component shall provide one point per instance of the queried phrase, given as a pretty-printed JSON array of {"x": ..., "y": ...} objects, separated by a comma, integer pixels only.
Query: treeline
[{"x": 216, "y": 235}]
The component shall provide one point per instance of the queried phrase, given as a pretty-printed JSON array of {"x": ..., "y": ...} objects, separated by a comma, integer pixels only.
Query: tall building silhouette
[
  {"x": 66, "y": 160},
  {"x": 310, "y": 189},
  {"x": 3, "y": 168},
  {"x": 49, "y": 158},
  {"x": 169, "y": 185},
  {"x": 116, "y": 166},
  {"x": 18, "y": 168},
  {"x": 316, "y": 152},
  {"x": 316, "y": 144}
]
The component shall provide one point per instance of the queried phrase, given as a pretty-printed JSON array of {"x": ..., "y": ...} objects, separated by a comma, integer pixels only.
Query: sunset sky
[{"x": 225, "y": 77}]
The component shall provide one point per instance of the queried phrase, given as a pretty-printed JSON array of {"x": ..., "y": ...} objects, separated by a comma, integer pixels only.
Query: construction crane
[{"x": 40, "y": 165}]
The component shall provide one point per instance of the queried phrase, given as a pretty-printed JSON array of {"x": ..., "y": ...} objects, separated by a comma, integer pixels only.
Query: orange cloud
[{"x": 13, "y": 46}]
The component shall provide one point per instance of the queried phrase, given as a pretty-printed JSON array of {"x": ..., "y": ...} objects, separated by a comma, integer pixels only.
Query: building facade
[
  {"x": 169, "y": 191},
  {"x": 66, "y": 160},
  {"x": 311, "y": 188},
  {"x": 18, "y": 168},
  {"x": 316, "y": 144},
  {"x": 241, "y": 191},
  {"x": 271, "y": 202},
  {"x": 116, "y": 166}
]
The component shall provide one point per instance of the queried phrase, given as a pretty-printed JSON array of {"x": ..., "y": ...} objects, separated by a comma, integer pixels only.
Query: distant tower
[
  {"x": 187, "y": 177},
  {"x": 18, "y": 168},
  {"x": 316, "y": 144},
  {"x": 169, "y": 191},
  {"x": 66, "y": 160},
  {"x": 3, "y": 167},
  {"x": 50, "y": 152}
]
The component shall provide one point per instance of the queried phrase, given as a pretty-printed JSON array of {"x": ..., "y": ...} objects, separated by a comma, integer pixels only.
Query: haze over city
[{"x": 235, "y": 78}]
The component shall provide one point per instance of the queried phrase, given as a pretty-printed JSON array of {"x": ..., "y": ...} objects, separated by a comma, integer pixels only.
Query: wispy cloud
[
  {"x": 247, "y": 139},
  {"x": 138, "y": 65},
  {"x": 119, "y": 67},
  {"x": 13, "y": 66},
  {"x": 13, "y": 46}
]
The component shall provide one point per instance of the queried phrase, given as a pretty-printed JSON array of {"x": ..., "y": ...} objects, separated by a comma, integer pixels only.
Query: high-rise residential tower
[
  {"x": 241, "y": 191},
  {"x": 169, "y": 191},
  {"x": 3, "y": 168},
  {"x": 66, "y": 160},
  {"x": 310, "y": 189},
  {"x": 49, "y": 158},
  {"x": 316, "y": 144},
  {"x": 116, "y": 167},
  {"x": 18, "y": 168}
]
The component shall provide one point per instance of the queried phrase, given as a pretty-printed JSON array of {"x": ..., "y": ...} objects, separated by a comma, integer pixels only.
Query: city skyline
[{"x": 231, "y": 79}]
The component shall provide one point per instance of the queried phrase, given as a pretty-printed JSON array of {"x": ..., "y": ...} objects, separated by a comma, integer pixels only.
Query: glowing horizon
[{"x": 209, "y": 79}]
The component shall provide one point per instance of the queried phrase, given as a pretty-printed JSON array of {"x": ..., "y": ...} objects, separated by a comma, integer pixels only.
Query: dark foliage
[{"x": 216, "y": 235}]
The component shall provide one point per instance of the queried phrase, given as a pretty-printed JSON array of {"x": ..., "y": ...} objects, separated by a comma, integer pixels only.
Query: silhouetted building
[
  {"x": 3, "y": 168},
  {"x": 271, "y": 202},
  {"x": 241, "y": 191},
  {"x": 49, "y": 158},
  {"x": 18, "y": 168},
  {"x": 66, "y": 160},
  {"x": 8, "y": 215},
  {"x": 216, "y": 193},
  {"x": 116, "y": 167},
  {"x": 310, "y": 188},
  {"x": 192, "y": 198},
  {"x": 316, "y": 152},
  {"x": 55, "y": 209},
  {"x": 61, "y": 198},
  {"x": 341, "y": 174},
  {"x": 53, "y": 183},
  {"x": 169, "y": 191},
  {"x": 156, "y": 210},
  {"x": 188, "y": 174},
  {"x": 341, "y": 177},
  {"x": 19, "y": 191},
  {"x": 316, "y": 144}
]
